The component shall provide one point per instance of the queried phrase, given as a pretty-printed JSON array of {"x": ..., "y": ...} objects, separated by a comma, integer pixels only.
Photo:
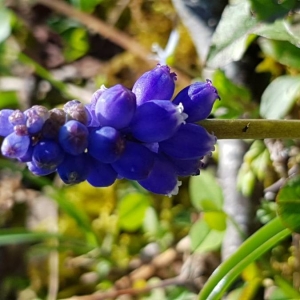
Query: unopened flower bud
[
  {"x": 197, "y": 100},
  {"x": 156, "y": 84},
  {"x": 116, "y": 107}
]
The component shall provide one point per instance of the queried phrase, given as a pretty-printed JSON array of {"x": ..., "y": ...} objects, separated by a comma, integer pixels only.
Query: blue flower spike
[{"x": 139, "y": 135}]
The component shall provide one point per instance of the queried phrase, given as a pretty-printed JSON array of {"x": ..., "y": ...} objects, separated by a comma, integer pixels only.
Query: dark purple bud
[
  {"x": 40, "y": 171},
  {"x": 5, "y": 126},
  {"x": 156, "y": 84},
  {"x": 135, "y": 163},
  {"x": 35, "y": 118},
  {"x": 17, "y": 118},
  {"x": 73, "y": 137},
  {"x": 47, "y": 154},
  {"x": 75, "y": 110},
  {"x": 191, "y": 141},
  {"x": 162, "y": 179},
  {"x": 14, "y": 145},
  {"x": 106, "y": 144},
  {"x": 74, "y": 168},
  {"x": 115, "y": 107},
  {"x": 57, "y": 118},
  {"x": 197, "y": 100},
  {"x": 101, "y": 174},
  {"x": 156, "y": 120},
  {"x": 21, "y": 130}
]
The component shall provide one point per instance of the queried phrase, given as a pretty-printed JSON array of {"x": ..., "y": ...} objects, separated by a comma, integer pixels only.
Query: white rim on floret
[
  {"x": 175, "y": 189},
  {"x": 180, "y": 109}
]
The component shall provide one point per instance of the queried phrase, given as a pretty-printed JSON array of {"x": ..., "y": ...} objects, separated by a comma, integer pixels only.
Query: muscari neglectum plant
[{"x": 142, "y": 135}]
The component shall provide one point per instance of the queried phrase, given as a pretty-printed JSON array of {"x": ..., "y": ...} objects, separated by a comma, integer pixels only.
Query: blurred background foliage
[{"x": 60, "y": 241}]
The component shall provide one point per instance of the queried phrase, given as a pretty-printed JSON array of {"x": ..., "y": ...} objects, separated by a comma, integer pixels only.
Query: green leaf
[
  {"x": 278, "y": 30},
  {"x": 215, "y": 219},
  {"x": 132, "y": 209},
  {"x": 151, "y": 222},
  {"x": 235, "y": 99},
  {"x": 205, "y": 192},
  {"x": 253, "y": 248},
  {"x": 279, "y": 97},
  {"x": 76, "y": 43},
  {"x": 271, "y": 10},
  {"x": 282, "y": 51},
  {"x": 84, "y": 5},
  {"x": 12, "y": 237},
  {"x": 205, "y": 239},
  {"x": 8, "y": 99},
  {"x": 288, "y": 200},
  {"x": 5, "y": 28},
  {"x": 231, "y": 37}
]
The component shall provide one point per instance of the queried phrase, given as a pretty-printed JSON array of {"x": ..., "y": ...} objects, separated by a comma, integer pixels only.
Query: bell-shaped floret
[
  {"x": 40, "y": 171},
  {"x": 191, "y": 141},
  {"x": 14, "y": 145},
  {"x": 35, "y": 118},
  {"x": 115, "y": 107},
  {"x": 197, "y": 100},
  {"x": 47, "y": 154},
  {"x": 156, "y": 120},
  {"x": 75, "y": 110},
  {"x": 162, "y": 179},
  {"x": 5, "y": 126},
  {"x": 106, "y": 144},
  {"x": 57, "y": 118},
  {"x": 74, "y": 168},
  {"x": 158, "y": 84},
  {"x": 94, "y": 122},
  {"x": 135, "y": 163},
  {"x": 27, "y": 157},
  {"x": 186, "y": 167},
  {"x": 101, "y": 174},
  {"x": 73, "y": 137}
]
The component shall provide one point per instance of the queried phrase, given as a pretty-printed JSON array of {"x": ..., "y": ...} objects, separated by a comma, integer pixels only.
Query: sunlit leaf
[
  {"x": 288, "y": 200},
  {"x": 216, "y": 220},
  {"x": 282, "y": 51},
  {"x": 277, "y": 31},
  {"x": 203, "y": 238},
  {"x": 205, "y": 192},
  {"x": 5, "y": 27},
  {"x": 231, "y": 37},
  {"x": 279, "y": 97},
  {"x": 132, "y": 209}
]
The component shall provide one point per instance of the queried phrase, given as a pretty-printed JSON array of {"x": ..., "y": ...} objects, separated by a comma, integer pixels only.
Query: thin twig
[
  {"x": 118, "y": 37},
  {"x": 131, "y": 291}
]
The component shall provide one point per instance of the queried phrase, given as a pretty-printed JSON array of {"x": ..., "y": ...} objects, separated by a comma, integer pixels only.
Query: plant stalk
[{"x": 252, "y": 128}]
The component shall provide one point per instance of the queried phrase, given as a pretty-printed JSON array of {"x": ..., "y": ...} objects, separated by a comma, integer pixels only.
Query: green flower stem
[
  {"x": 256, "y": 245},
  {"x": 252, "y": 128}
]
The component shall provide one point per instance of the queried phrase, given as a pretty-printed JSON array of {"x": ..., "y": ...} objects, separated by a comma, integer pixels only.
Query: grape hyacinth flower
[{"x": 138, "y": 135}]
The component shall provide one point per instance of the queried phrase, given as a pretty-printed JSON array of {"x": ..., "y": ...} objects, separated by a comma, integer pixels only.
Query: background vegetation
[{"x": 58, "y": 242}]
